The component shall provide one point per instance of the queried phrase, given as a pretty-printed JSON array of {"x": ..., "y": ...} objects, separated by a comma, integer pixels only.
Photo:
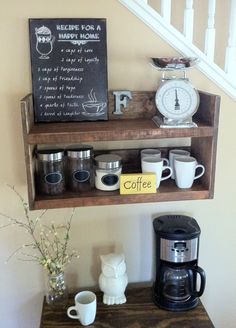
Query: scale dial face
[{"x": 177, "y": 99}]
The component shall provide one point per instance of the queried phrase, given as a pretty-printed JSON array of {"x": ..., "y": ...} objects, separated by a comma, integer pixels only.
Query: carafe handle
[{"x": 201, "y": 272}]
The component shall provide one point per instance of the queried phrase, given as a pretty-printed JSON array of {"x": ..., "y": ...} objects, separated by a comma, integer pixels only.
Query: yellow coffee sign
[{"x": 144, "y": 183}]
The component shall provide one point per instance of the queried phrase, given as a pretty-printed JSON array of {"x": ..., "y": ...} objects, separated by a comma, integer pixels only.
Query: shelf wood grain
[
  {"x": 166, "y": 192},
  {"x": 135, "y": 124},
  {"x": 131, "y": 129},
  {"x": 138, "y": 312}
]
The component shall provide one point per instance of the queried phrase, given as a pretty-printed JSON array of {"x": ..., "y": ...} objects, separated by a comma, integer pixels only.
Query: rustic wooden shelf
[
  {"x": 109, "y": 130},
  {"x": 138, "y": 311},
  {"x": 96, "y": 197},
  {"x": 135, "y": 124}
]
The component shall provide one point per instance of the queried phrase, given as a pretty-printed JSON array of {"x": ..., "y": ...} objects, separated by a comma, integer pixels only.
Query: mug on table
[{"x": 85, "y": 308}]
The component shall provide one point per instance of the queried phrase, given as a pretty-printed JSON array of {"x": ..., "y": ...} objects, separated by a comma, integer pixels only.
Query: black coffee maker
[{"x": 177, "y": 244}]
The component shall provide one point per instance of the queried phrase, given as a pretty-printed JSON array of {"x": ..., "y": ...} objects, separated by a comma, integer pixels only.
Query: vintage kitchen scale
[{"x": 176, "y": 98}]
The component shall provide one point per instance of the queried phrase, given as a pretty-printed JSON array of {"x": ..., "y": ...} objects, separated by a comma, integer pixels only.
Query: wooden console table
[{"x": 138, "y": 312}]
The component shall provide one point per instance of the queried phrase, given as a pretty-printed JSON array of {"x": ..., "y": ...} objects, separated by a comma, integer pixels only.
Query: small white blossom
[{"x": 52, "y": 246}]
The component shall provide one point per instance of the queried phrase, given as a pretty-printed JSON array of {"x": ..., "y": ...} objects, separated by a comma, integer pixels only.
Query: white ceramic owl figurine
[{"x": 113, "y": 279}]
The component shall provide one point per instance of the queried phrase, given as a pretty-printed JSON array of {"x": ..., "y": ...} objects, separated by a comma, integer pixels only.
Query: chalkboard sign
[{"x": 69, "y": 69}]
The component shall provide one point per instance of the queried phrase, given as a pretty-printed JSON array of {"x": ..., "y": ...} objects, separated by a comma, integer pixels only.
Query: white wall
[{"x": 100, "y": 229}]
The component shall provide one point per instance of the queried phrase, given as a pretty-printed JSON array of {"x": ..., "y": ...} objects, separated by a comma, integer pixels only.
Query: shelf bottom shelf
[{"x": 95, "y": 197}]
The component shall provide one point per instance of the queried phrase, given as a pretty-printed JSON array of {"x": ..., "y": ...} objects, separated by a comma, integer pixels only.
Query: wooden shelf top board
[
  {"x": 139, "y": 311},
  {"x": 96, "y": 197},
  {"x": 46, "y": 133}
]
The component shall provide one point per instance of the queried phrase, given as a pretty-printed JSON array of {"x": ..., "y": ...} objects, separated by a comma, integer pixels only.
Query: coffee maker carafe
[{"x": 177, "y": 244}]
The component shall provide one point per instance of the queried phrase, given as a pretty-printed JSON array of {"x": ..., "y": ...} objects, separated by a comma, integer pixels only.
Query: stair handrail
[{"x": 160, "y": 25}]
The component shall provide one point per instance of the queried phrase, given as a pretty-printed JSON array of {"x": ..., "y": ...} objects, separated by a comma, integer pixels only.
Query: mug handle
[
  {"x": 169, "y": 175},
  {"x": 166, "y": 161},
  {"x": 71, "y": 315},
  {"x": 200, "y": 174}
]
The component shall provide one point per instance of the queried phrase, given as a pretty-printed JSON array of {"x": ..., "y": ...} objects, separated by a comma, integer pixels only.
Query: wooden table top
[{"x": 138, "y": 312}]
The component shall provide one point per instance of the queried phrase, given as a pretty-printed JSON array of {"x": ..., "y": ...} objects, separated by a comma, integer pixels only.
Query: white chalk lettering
[
  {"x": 89, "y": 36},
  {"x": 70, "y": 89},
  {"x": 87, "y": 27},
  {"x": 53, "y": 105},
  {"x": 68, "y": 27},
  {"x": 71, "y": 78},
  {"x": 94, "y": 60},
  {"x": 73, "y": 96},
  {"x": 68, "y": 36},
  {"x": 71, "y": 69}
]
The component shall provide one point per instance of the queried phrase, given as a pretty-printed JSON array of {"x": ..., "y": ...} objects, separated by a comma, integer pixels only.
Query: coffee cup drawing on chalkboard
[
  {"x": 45, "y": 40},
  {"x": 93, "y": 107}
]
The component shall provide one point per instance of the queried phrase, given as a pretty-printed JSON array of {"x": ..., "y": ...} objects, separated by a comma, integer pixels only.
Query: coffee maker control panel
[{"x": 178, "y": 251}]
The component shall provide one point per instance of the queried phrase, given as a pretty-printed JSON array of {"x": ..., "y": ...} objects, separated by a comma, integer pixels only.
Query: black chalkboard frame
[{"x": 69, "y": 69}]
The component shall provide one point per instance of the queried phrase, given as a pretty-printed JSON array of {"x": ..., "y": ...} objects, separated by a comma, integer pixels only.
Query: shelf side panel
[
  {"x": 208, "y": 110},
  {"x": 204, "y": 150},
  {"x": 27, "y": 122}
]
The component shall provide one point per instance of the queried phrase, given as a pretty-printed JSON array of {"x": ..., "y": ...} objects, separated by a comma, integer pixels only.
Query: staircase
[{"x": 217, "y": 48}]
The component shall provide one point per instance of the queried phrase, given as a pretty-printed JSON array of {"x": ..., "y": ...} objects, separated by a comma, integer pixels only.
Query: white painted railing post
[
  {"x": 230, "y": 57},
  {"x": 188, "y": 20},
  {"x": 210, "y": 31},
  {"x": 182, "y": 42},
  {"x": 166, "y": 10}
]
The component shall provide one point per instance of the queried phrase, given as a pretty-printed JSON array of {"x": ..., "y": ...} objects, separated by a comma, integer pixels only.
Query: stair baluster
[{"x": 210, "y": 31}]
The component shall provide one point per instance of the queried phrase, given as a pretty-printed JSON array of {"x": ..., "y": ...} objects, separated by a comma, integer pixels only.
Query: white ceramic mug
[
  {"x": 174, "y": 153},
  {"x": 155, "y": 165},
  {"x": 85, "y": 307},
  {"x": 153, "y": 152},
  {"x": 185, "y": 171}
]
